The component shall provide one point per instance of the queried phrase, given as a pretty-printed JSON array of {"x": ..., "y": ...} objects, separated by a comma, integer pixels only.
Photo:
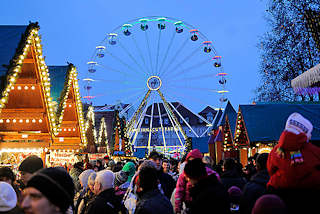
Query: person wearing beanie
[
  {"x": 166, "y": 181},
  {"x": 257, "y": 186},
  {"x": 50, "y": 191},
  {"x": 105, "y": 200},
  {"x": 8, "y": 199},
  {"x": 269, "y": 204},
  {"x": 207, "y": 192},
  {"x": 29, "y": 166},
  {"x": 120, "y": 178},
  {"x": 294, "y": 164},
  {"x": 130, "y": 169},
  {"x": 182, "y": 194}
]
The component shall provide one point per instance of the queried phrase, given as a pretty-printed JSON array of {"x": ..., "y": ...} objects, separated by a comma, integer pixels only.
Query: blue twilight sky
[{"x": 72, "y": 29}]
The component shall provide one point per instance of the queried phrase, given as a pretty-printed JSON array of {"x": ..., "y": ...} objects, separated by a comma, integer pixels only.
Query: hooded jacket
[
  {"x": 183, "y": 187},
  {"x": 284, "y": 174}
]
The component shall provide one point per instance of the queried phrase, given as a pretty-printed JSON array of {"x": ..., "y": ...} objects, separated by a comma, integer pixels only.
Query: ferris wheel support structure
[
  {"x": 129, "y": 127},
  {"x": 162, "y": 129},
  {"x": 172, "y": 115}
]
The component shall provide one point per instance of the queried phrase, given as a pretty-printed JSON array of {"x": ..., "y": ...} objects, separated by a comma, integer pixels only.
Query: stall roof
[
  {"x": 232, "y": 117},
  {"x": 217, "y": 119},
  {"x": 265, "y": 122}
]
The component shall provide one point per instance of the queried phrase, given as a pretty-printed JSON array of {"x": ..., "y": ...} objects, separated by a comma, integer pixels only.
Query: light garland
[
  {"x": 102, "y": 131},
  {"x": 90, "y": 117}
]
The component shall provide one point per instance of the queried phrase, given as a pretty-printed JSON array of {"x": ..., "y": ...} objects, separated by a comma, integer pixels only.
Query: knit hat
[
  {"x": 8, "y": 197},
  {"x": 31, "y": 164},
  {"x": 195, "y": 153},
  {"x": 269, "y": 204},
  {"x": 83, "y": 177},
  {"x": 56, "y": 185},
  {"x": 297, "y": 124},
  {"x": 130, "y": 169},
  {"x": 120, "y": 178}
]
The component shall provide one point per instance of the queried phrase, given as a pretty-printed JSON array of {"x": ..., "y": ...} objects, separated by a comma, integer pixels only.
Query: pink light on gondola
[
  {"x": 222, "y": 74},
  {"x": 216, "y": 57},
  {"x": 207, "y": 42}
]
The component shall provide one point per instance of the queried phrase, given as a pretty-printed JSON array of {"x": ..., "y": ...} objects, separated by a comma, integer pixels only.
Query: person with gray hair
[{"x": 105, "y": 200}]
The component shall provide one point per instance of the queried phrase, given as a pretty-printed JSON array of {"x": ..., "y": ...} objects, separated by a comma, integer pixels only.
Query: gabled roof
[
  {"x": 232, "y": 117},
  {"x": 265, "y": 122},
  {"x": 208, "y": 109}
]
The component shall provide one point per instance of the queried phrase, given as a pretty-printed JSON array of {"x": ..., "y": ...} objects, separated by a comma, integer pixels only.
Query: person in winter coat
[
  {"x": 208, "y": 194},
  {"x": 105, "y": 200},
  {"x": 182, "y": 194},
  {"x": 166, "y": 181},
  {"x": 150, "y": 199},
  {"x": 75, "y": 173},
  {"x": 81, "y": 198},
  {"x": 49, "y": 191},
  {"x": 294, "y": 166},
  {"x": 28, "y": 167},
  {"x": 294, "y": 162},
  {"x": 257, "y": 185},
  {"x": 230, "y": 176}
]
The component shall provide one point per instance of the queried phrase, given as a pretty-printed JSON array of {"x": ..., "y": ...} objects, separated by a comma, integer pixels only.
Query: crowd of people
[{"x": 285, "y": 181}]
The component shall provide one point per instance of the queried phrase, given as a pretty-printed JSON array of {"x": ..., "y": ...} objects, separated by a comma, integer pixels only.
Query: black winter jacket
[
  {"x": 255, "y": 188},
  {"x": 209, "y": 196},
  {"x": 105, "y": 202},
  {"x": 232, "y": 178},
  {"x": 167, "y": 183},
  {"x": 153, "y": 202}
]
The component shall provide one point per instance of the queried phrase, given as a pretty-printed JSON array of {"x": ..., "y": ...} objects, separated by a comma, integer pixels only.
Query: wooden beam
[{"x": 24, "y": 145}]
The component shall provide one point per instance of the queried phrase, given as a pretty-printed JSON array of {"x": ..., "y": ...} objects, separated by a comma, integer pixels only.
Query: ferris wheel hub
[{"x": 154, "y": 83}]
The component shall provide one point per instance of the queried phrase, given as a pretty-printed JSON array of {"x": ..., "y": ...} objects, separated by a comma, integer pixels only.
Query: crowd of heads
[{"x": 156, "y": 184}]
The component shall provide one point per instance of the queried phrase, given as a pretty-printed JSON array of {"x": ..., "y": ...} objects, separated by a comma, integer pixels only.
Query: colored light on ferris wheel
[
  {"x": 222, "y": 91},
  {"x": 222, "y": 74}
]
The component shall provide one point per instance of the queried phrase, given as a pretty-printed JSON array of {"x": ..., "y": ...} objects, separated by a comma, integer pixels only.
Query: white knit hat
[
  {"x": 8, "y": 197},
  {"x": 297, "y": 124}
]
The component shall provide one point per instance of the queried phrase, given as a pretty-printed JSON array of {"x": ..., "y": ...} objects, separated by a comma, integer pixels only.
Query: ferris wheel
[{"x": 153, "y": 63}]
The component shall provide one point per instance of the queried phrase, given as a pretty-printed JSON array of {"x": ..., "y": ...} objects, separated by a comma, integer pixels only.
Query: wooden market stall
[{"x": 28, "y": 114}]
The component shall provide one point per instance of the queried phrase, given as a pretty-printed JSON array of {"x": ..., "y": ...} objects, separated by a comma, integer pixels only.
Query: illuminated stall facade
[{"x": 30, "y": 123}]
